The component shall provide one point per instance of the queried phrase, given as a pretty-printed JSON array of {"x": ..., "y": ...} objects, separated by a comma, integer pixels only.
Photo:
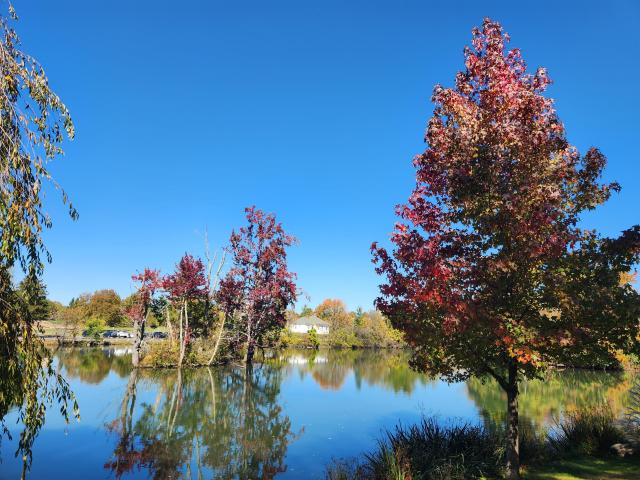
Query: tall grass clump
[
  {"x": 345, "y": 470},
  {"x": 432, "y": 451},
  {"x": 632, "y": 418},
  {"x": 586, "y": 432}
]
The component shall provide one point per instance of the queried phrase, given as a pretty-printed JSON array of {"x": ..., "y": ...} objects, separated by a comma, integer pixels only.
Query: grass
[
  {"x": 450, "y": 451},
  {"x": 586, "y": 432},
  {"x": 588, "y": 468}
]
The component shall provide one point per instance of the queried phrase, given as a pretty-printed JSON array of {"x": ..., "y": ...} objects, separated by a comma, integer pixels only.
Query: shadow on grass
[{"x": 588, "y": 468}]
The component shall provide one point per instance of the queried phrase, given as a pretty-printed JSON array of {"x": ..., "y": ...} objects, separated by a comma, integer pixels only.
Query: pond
[{"x": 295, "y": 413}]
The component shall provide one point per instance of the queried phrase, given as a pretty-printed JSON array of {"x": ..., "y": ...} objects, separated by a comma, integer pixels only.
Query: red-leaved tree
[
  {"x": 187, "y": 284},
  {"x": 490, "y": 273},
  {"x": 148, "y": 282},
  {"x": 258, "y": 288}
]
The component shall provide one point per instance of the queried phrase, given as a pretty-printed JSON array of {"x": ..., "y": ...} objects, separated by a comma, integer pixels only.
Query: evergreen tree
[{"x": 34, "y": 292}]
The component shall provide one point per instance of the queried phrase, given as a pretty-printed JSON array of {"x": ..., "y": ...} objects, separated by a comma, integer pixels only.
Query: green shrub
[
  {"x": 164, "y": 354},
  {"x": 586, "y": 432},
  {"x": 344, "y": 338},
  {"x": 200, "y": 349},
  {"x": 152, "y": 321},
  {"x": 286, "y": 338},
  {"x": 160, "y": 354},
  {"x": 313, "y": 339},
  {"x": 95, "y": 327},
  {"x": 289, "y": 339}
]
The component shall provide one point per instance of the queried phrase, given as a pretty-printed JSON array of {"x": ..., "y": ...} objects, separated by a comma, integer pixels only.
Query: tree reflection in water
[
  {"x": 92, "y": 365},
  {"x": 542, "y": 401},
  {"x": 330, "y": 368},
  {"x": 203, "y": 421}
]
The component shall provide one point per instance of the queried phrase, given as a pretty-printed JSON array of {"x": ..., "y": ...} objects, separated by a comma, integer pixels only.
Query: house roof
[{"x": 311, "y": 320}]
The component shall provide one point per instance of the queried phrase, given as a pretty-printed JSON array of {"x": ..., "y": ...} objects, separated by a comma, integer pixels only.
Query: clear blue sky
[{"x": 186, "y": 112}]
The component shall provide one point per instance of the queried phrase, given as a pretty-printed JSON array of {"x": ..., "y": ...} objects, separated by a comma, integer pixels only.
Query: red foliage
[
  {"x": 148, "y": 282},
  {"x": 259, "y": 286},
  {"x": 189, "y": 281}
]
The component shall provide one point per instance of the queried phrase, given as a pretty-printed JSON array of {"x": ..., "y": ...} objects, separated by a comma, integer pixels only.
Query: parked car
[
  {"x": 159, "y": 335},
  {"x": 123, "y": 334},
  {"x": 109, "y": 334}
]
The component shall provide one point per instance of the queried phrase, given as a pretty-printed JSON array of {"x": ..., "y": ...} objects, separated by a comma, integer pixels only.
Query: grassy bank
[{"x": 86, "y": 342}]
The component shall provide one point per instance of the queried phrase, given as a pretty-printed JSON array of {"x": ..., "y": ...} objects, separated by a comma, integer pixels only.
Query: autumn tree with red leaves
[
  {"x": 148, "y": 282},
  {"x": 187, "y": 284},
  {"x": 258, "y": 288},
  {"x": 490, "y": 273}
]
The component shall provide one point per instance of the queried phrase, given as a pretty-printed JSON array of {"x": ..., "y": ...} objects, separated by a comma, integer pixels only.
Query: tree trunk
[
  {"x": 172, "y": 336},
  {"x": 129, "y": 401},
  {"x": 180, "y": 323},
  {"x": 513, "y": 441},
  {"x": 183, "y": 333},
  {"x": 219, "y": 339},
  {"x": 250, "y": 352},
  {"x": 138, "y": 327}
]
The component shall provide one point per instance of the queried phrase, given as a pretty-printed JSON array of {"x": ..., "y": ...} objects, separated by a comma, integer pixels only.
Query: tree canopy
[{"x": 34, "y": 292}]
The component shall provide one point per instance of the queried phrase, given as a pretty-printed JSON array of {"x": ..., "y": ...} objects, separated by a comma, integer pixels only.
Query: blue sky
[{"x": 186, "y": 112}]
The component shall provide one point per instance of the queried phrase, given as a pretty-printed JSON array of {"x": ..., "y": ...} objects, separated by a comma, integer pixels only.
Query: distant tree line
[{"x": 104, "y": 306}]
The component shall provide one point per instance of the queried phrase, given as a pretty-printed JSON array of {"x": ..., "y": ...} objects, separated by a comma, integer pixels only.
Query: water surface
[{"x": 287, "y": 419}]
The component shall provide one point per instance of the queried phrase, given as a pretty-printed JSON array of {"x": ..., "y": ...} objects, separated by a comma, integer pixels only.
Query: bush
[
  {"x": 152, "y": 321},
  {"x": 285, "y": 339},
  {"x": 313, "y": 339},
  {"x": 343, "y": 338},
  {"x": 200, "y": 349},
  {"x": 288, "y": 339},
  {"x": 161, "y": 354},
  {"x": 165, "y": 353},
  {"x": 95, "y": 327},
  {"x": 586, "y": 432}
]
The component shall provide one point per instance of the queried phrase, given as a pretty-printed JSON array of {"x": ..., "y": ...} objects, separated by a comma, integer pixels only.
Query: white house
[
  {"x": 303, "y": 360},
  {"x": 304, "y": 324}
]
